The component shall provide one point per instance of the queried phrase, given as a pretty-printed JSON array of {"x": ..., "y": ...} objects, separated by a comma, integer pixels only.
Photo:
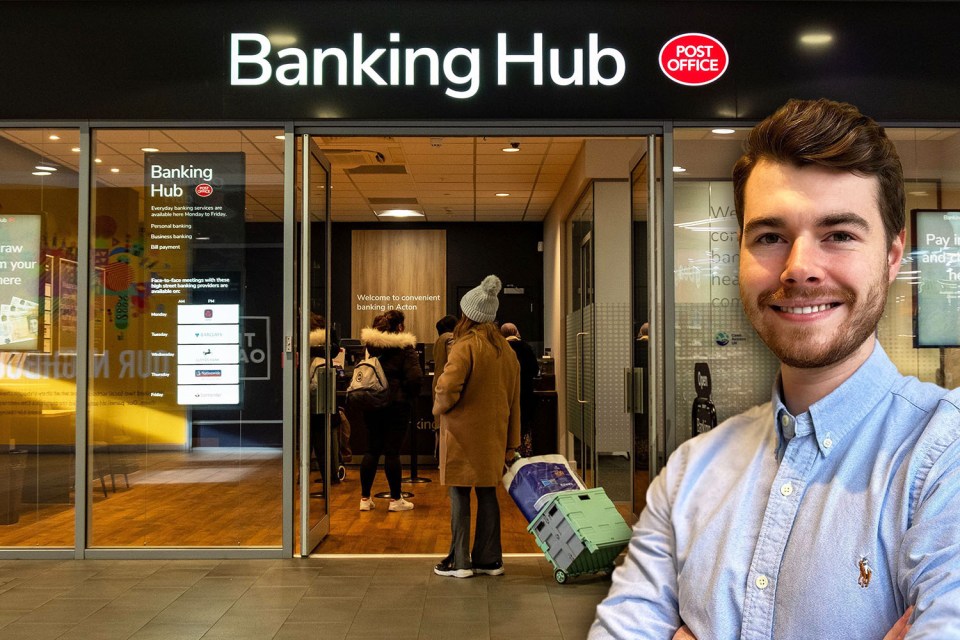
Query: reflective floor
[{"x": 317, "y": 598}]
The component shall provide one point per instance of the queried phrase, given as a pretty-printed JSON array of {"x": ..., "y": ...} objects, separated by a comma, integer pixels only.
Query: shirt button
[
  {"x": 786, "y": 489},
  {"x": 827, "y": 443},
  {"x": 785, "y": 420},
  {"x": 762, "y": 582}
]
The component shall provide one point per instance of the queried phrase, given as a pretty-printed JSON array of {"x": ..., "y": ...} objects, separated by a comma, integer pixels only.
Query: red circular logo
[
  {"x": 693, "y": 59},
  {"x": 203, "y": 190}
]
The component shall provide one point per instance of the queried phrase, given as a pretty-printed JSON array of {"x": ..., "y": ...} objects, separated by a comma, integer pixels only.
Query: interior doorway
[{"x": 490, "y": 198}]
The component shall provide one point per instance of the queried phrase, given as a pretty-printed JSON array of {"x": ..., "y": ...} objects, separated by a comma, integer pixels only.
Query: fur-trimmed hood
[
  {"x": 371, "y": 337},
  {"x": 318, "y": 337}
]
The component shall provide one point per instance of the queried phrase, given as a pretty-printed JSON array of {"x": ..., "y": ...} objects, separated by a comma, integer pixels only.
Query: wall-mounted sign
[
  {"x": 693, "y": 59},
  {"x": 936, "y": 292},
  {"x": 20, "y": 300}
]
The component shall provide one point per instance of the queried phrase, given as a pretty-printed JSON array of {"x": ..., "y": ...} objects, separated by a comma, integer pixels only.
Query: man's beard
[{"x": 804, "y": 347}]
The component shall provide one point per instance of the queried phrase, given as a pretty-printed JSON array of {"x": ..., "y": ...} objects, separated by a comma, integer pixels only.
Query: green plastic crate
[{"x": 580, "y": 532}]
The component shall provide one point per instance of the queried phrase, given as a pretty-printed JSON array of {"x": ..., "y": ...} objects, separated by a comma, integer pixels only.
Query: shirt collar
[{"x": 834, "y": 416}]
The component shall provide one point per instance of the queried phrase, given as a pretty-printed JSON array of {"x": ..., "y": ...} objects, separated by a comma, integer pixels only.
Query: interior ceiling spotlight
[{"x": 513, "y": 148}]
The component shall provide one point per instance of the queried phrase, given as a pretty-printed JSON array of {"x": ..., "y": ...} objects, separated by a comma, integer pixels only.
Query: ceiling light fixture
[
  {"x": 54, "y": 136},
  {"x": 280, "y": 137},
  {"x": 679, "y": 169},
  {"x": 149, "y": 149},
  {"x": 399, "y": 213},
  {"x": 816, "y": 39},
  {"x": 41, "y": 173},
  {"x": 75, "y": 149},
  {"x": 513, "y": 148},
  {"x": 97, "y": 160},
  {"x": 44, "y": 167},
  {"x": 723, "y": 132},
  {"x": 501, "y": 195},
  {"x": 114, "y": 170}
]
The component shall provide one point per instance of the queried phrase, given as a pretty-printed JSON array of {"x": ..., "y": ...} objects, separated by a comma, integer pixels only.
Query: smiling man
[{"x": 833, "y": 511}]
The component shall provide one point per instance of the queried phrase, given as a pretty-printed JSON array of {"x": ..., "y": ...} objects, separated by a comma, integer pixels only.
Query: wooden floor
[
  {"x": 425, "y": 529},
  {"x": 232, "y": 498}
]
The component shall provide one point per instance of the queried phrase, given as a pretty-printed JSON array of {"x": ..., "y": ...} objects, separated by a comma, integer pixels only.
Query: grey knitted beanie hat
[{"x": 480, "y": 304}]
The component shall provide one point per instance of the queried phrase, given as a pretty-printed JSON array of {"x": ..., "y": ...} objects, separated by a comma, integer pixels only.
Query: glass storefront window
[
  {"x": 185, "y": 415},
  {"x": 38, "y": 322},
  {"x": 722, "y": 368}
]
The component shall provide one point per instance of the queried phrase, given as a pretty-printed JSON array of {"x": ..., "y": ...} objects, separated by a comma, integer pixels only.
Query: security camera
[
  {"x": 380, "y": 158},
  {"x": 515, "y": 145}
]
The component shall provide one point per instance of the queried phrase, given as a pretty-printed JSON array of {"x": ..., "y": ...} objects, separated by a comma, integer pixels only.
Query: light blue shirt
[{"x": 830, "y": 534}]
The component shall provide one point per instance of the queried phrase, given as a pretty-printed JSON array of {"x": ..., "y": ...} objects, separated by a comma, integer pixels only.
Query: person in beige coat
[{"x": 477, "y": 406}]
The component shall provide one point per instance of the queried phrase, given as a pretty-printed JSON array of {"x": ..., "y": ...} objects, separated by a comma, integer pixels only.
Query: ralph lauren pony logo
[{"x": 865, "y": 573}]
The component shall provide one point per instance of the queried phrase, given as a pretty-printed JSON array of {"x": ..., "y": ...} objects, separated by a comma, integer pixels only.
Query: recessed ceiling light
[
  {"x": 149, "y": 149},
  {"x": 280, "y": 137},
  {"x": 501, "y": 195},
  {"x": 41, "y": 173},
  {"x": 54, "y": 137},
  {"x": 75, "y": 149},
  {"x": 679, "y": 170},
  {"x": 44, "y": 167},
  {"x": 919, "y": 193},
  {"x": 282, "y": 39},
  {"x": 723, "y": 132},
  {"x": 513, "y": 148},
  {"x": 97, "y": 160},
  {"x": 816, "y": 39},
  {"x": 399, "y": 213},
  {"x": 114, "y": 170}
]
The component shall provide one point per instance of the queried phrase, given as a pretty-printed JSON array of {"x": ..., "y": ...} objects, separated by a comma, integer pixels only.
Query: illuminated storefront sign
[{"x": 252, "y": 63}]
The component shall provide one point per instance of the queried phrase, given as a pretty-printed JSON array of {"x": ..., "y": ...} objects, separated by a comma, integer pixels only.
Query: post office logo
[{"x": 693, "y": 59}]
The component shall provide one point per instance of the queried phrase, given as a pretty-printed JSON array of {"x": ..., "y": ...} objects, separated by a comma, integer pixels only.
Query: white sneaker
[
  {"x": 366, "y": 504},
  {"x": 400, "y": 505}
]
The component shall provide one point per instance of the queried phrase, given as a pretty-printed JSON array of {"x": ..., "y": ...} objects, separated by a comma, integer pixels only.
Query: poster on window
[
  {"x": 936, "y": 297},
  {"x": 194, "y": 214},
  {"x": 20, "y": 270}
]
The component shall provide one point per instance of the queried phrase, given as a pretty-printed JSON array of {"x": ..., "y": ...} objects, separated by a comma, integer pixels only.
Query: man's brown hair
[{"x": 834, "y": 135}]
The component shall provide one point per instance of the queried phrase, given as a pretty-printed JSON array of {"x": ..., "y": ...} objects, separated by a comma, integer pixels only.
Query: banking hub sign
[{"x": 691, "y": 59}]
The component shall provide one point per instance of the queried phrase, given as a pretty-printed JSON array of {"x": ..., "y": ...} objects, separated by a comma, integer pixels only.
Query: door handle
[
  {"x": 579, "y": 351},
  {"x": 634, "y": 398}
]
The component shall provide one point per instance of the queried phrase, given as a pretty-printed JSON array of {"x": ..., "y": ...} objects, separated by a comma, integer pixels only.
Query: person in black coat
[
  {"x": 529, "y": 369},
  {"x": 387, "y": 426}
]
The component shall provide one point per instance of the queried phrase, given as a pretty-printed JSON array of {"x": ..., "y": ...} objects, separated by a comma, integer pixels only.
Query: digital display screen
[
  {"x": 936, "y": 294},
  {"x": 20, "y": 268}
]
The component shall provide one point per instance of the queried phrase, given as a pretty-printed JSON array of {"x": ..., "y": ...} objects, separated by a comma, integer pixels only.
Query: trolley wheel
[
  {"x": 341, "y": 472},
  {"x": 560, "y": 576}
]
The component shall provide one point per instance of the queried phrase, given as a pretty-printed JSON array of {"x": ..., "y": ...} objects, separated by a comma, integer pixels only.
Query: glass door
[
  {"x": 581, "y": 408},
  {"x": 316, "y": 390},
  {"x": 642, "y": 380}
]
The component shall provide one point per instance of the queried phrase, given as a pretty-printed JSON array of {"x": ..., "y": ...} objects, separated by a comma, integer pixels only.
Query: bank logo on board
[{"x": 693, "y": 59}]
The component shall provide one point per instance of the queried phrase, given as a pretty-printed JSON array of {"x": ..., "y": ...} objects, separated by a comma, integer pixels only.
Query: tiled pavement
[{"x": 316, "y": 598}]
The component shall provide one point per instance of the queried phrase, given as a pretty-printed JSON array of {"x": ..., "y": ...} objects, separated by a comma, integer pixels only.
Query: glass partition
[
  {"x": 185, "y": 394},
  {"x": 722, "y": 366},
  {"x": 39, "y": 185}
]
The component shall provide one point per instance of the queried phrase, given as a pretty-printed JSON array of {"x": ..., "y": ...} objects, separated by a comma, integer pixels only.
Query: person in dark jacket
[
  {"x": 386, "y": 426},
  {"x": 441, "y": 347},
  {"x": 529, "y": 369}
]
